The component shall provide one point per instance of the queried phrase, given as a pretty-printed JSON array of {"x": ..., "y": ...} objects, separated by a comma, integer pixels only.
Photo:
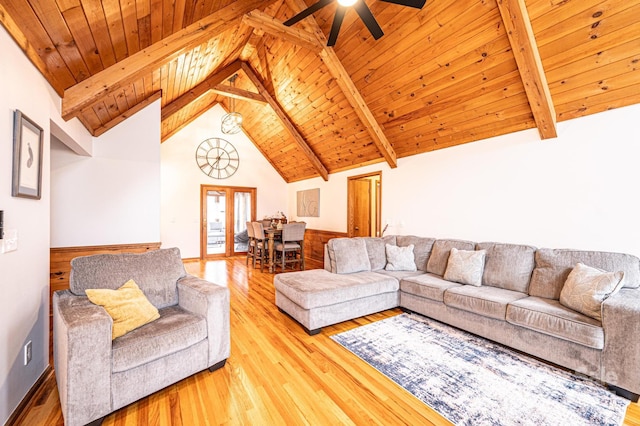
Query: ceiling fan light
[{"x": 347, "y": 3}]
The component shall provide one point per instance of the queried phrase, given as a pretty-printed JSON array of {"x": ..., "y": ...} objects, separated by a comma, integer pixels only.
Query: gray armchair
[{"x": 96, "y": 375}]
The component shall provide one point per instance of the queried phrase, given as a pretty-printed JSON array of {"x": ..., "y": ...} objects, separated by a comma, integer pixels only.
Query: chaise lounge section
[{"x": 517, "y": 297}]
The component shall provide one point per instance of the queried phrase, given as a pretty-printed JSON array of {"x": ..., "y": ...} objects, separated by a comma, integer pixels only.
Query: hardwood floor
[{"x": 276, "y": 374}]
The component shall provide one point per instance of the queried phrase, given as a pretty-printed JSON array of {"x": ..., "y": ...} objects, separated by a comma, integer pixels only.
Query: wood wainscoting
[{"x": 314, "y": 241}]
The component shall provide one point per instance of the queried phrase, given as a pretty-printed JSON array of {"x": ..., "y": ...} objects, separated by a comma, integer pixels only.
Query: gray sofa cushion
[
  {"x": 175, "y": 330},
  {"x": 488, "y": 301},
  {"x": 318, "y": 287},
  {"x": 155, "y": 272},
  {"x": 439, "y": 256},
  {"x": 421, "y": 248},
  {"x": 429, "y": 286},
  {"x": 554, "y": 265},
  {"x": 508, "y": 266},
  {"x": 349, "y": 255},
  {"x": 376, "y": 250},
  {"x": 550, "y": 317}
]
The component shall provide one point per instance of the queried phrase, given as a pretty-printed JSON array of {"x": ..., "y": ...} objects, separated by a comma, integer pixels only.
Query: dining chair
[
  {"x": 261, "y": 248},
  {"x": 291, "y": 248},
  {"x": 251, "y": 244}
]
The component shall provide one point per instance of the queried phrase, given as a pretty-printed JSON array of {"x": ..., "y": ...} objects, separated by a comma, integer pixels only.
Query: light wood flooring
[{"x": 276, "y": 374}]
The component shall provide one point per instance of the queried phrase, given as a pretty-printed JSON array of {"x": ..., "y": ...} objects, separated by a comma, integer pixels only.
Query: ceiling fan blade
[
  {"x": 337, "y": 23},
  {"x": 411, "y": 3},
  {"x": 308, "y": 11},
  {"x": 367, "y": 17}
]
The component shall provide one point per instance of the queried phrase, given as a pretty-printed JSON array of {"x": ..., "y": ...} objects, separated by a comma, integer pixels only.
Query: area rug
[{"x": 472, "y": 381}]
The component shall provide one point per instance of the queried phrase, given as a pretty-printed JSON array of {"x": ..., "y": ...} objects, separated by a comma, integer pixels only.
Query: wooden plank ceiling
[{"x": 452, "y": 73}]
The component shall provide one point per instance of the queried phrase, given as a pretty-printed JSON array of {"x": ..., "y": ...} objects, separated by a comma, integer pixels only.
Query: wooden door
[
  {"x": 362, "y": 208},
  {"x": 364, "y": 205}
]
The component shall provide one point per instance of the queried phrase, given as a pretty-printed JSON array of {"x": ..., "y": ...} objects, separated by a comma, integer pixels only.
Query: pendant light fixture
[{"x": 232, "y": 122}]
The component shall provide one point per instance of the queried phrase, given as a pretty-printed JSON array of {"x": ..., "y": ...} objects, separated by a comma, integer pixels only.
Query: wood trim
[
  {"x": 20, "y": 413},
  {"x": 87, "y": 92},
  {"x": 525, "y": 51},
  {"x": 314, "y": 241}
]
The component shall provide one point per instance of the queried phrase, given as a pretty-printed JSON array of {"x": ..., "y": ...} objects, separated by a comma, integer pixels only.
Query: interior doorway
[
  {"x": 364, "y": 205},
  {"x": 224, "y": 213}
]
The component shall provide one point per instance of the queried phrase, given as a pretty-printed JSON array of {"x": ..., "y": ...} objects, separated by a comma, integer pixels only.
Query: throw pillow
[
  {"x": 127, "y": 306},
  {"x": 350, "y": 255},
  {"x": 586, "y": 288},
  {"x": 400, "y": 258},
  {"x": 465, "y": 266}
]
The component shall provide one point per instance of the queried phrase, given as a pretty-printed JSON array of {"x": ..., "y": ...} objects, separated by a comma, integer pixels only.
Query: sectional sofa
[{"x": 539, "y": 301}]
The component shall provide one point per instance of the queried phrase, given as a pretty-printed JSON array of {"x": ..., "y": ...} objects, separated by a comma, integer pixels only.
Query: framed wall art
[
  {"x": 27, "y": 157},
  {"x": 308, "y": 203}
]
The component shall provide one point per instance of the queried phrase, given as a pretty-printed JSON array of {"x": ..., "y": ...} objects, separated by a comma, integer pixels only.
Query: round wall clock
[{"x": 217, "y": 158}]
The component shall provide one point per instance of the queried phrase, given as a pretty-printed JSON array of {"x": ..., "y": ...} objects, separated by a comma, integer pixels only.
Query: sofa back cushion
[
  {"x": 439, "y": 256},
  {"x": 376, "y": 250},
  {"x": 421, "y": 248},
  {"x": 508, "y": 266},
  {"x": 554, "y": 265},
  {"x": 156, "y": 273},
  {"x": 348, "y": 255}
]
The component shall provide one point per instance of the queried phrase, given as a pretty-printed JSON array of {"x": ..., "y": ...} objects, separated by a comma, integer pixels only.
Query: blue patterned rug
[{"x": 473, "y": 381}]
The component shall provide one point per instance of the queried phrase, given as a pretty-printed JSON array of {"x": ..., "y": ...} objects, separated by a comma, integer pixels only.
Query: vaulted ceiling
[{"x": 452, "y": 73}]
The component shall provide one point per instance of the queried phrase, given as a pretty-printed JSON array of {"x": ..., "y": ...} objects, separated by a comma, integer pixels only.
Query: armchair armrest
[
  {"x": 212, "y": 302},
  {"x": 621, "y": 352},
  {"x": 82, "y": 357}
]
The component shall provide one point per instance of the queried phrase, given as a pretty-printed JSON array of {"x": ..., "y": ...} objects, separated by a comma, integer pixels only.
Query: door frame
[
  {"x": 351, "y": 203},
  {"x": 229, "y": 215}
]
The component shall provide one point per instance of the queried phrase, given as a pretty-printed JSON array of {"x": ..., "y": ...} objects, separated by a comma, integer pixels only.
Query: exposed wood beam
[
  {"x": 343, "y": 79},
  {"x": 234, "y": 92},
  {"x": 286, "y": 122},
  {"x": 525, "y": 50},
  {"x": 199, "y": 90},
  {"x": 263, "y": 22},
  {"x": 131, "y": 111},
  {"x": 147, "y": 60}
]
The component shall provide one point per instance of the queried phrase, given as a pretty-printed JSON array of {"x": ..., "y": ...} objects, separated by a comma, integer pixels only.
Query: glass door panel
[
  {"x": 225, "y": 212},
  {"x": 216, "y": 220},
  {"x": 242, "y": 215}
]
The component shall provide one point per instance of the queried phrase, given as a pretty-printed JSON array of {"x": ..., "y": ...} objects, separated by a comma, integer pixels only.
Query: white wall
[
  {"x": 112, "y": 197},
  {"x": 181, "y": 180},
  {"x": 24, "y": 274},
  {"x": 576, "y": 191}
]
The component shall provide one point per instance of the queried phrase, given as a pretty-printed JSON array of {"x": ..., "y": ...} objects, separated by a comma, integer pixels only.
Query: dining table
[{"x": 273, "y": 235}]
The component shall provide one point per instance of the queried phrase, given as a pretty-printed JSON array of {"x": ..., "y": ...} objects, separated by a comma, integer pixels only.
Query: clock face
[{"x": 217, "y": 158}]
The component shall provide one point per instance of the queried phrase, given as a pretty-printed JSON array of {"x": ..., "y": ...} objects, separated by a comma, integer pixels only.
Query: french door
[{"x": 224, "y": 213}]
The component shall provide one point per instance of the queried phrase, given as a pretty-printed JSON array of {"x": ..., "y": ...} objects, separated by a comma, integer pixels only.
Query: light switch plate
[{"x": 10, "y": 241}]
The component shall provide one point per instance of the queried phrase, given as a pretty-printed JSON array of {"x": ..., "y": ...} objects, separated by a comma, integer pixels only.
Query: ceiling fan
[{"x": 361, "y": 8}]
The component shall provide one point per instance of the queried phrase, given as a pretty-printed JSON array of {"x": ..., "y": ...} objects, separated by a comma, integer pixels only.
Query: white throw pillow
[
  {"x": 586, "y": 288},
  {"x": 465, "y": 266},
  {"x": 400, "y": 258}
]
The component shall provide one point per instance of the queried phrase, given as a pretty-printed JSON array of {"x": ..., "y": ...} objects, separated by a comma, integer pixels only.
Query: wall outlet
[{"x": 27, "y": 352}]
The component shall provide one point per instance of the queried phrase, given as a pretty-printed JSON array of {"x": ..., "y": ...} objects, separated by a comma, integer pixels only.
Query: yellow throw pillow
[{"x": 127, "y": 305}]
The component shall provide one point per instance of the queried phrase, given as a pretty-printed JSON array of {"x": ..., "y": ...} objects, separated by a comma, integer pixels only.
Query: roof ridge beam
[
  {"x": 87, "y": 92},
  {"x": 286, "y": 121},
  {"x": 525, "y": 51}
]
